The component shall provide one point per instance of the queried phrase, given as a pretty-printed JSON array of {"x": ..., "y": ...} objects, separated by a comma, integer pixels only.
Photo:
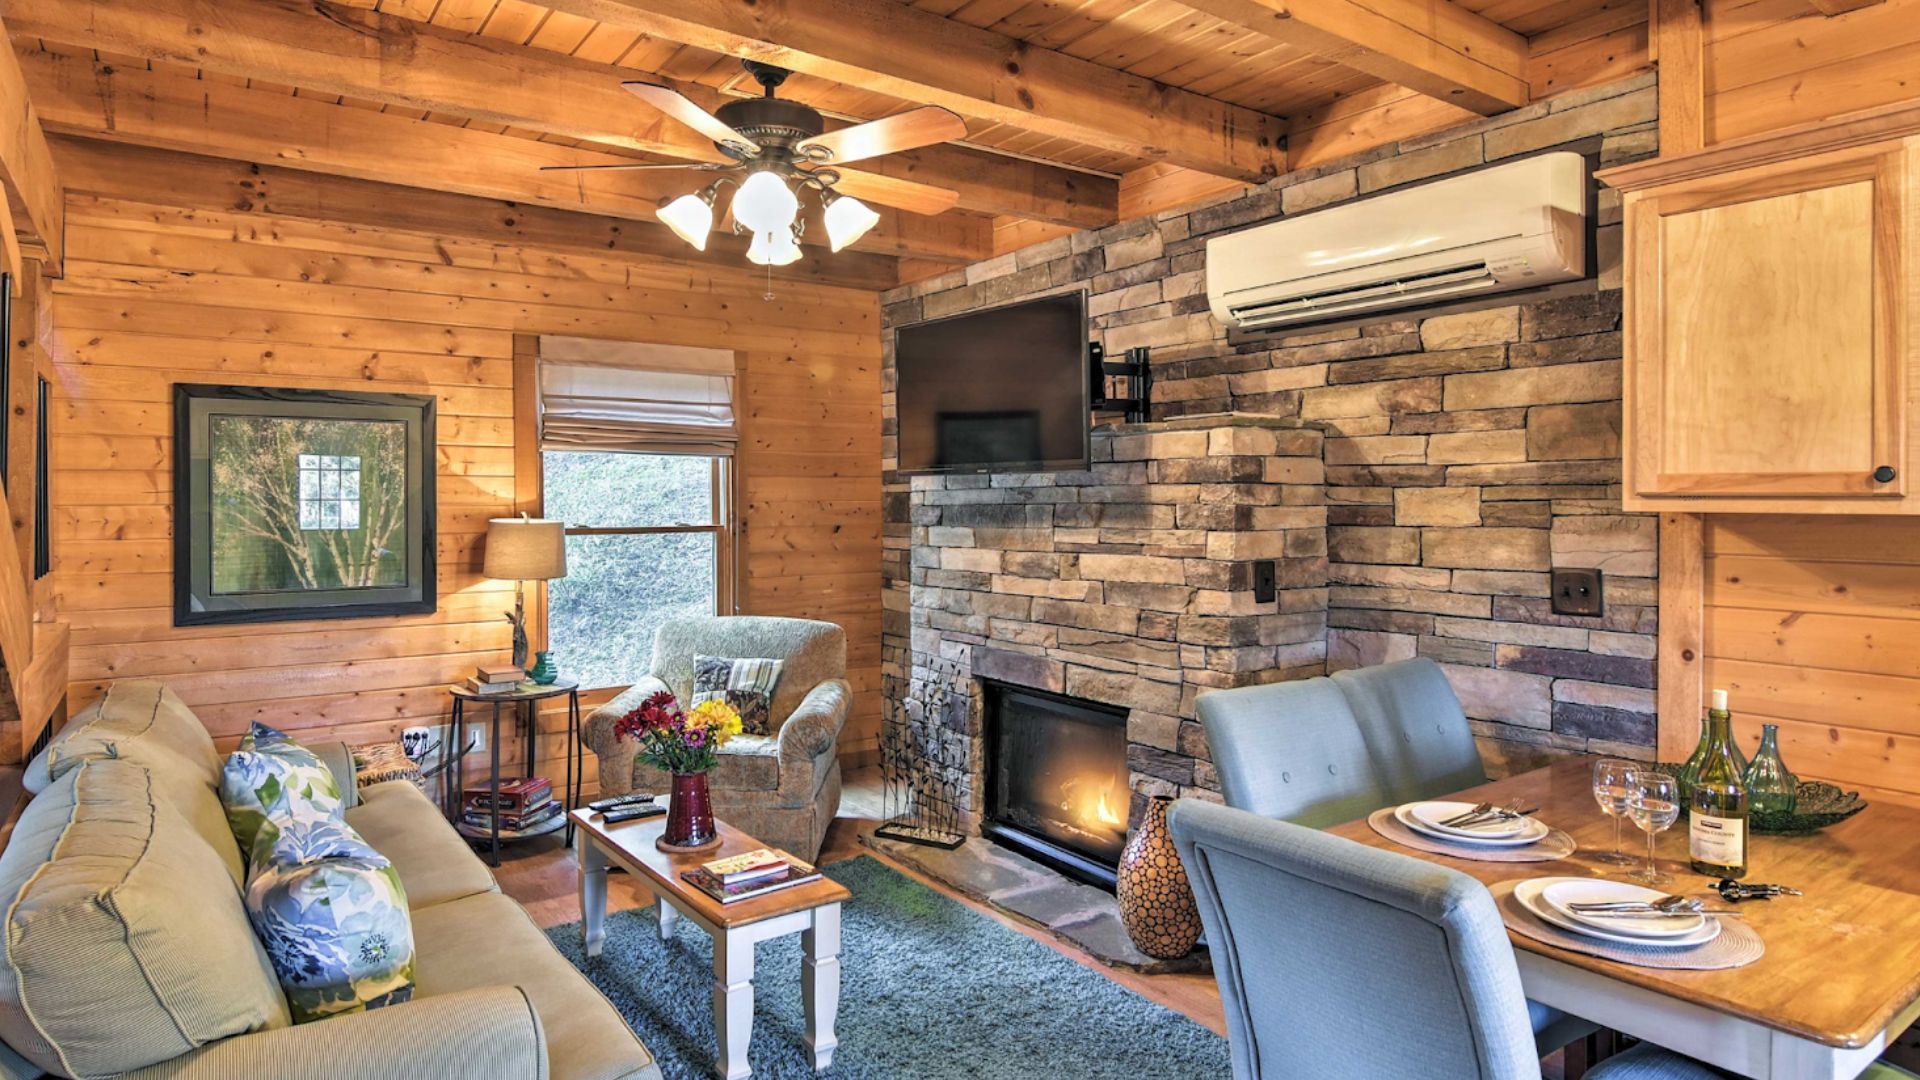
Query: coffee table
[{"x": 812, "y": 910}]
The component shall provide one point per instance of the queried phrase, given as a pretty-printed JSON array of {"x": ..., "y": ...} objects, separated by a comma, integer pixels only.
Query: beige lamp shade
[{"x": 525, "y": 549}]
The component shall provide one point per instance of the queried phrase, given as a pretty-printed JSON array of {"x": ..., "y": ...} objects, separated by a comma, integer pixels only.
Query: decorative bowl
[{"x": 1818, "y": 805}]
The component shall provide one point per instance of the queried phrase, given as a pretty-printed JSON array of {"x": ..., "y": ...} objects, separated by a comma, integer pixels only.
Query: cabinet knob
[{"x": 1883, "y": 475}]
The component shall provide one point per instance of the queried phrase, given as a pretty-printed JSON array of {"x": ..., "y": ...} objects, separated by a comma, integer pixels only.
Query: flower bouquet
[{"x": 683, "y": 742}]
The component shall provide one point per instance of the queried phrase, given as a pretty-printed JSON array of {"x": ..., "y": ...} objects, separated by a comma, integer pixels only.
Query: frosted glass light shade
[
  {"x": 525, "y": 549},
  {"x": 765, "y": 204},
  {"x": 773, "y": 249},
  {"x": 690, "y": 217},
  {"x": 848, "y": 219}
]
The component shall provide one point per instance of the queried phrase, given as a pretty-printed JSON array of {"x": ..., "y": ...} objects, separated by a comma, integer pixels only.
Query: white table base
[
  {"x": 1730, "y": 1042},
  {"x": 819, "y": 930}
]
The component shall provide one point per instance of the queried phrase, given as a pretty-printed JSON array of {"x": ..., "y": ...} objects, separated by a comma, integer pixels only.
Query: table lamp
[{"x": 520, "y": 550}]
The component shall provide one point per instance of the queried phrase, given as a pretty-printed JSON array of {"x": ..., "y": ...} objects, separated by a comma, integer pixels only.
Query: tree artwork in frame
[{"x": 301, "y": 504}]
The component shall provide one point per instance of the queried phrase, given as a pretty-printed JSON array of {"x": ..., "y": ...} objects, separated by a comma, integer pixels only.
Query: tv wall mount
[{"x": 1138, "y": 373}]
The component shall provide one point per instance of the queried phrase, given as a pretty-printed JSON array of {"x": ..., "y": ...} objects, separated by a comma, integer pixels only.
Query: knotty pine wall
[
  {"x": 1771, "y": 64},
  {"x": 156, "y": 294},
  {"x": 1812, "y": 622}
]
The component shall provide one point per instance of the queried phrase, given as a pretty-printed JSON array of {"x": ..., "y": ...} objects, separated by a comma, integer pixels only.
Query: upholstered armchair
[{"x": 783, "y": 787}]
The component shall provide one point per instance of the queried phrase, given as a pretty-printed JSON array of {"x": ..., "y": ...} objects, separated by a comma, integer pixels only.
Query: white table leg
[
  {"x": 732, "y": 1004},
  {"x": 593, "y": 890},
  {"x": 820, "y": 988},
  {"x": 668, "y": 917}
]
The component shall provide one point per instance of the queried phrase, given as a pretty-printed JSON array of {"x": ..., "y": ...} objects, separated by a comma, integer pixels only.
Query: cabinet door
[{"x": 1768, "y": 331}]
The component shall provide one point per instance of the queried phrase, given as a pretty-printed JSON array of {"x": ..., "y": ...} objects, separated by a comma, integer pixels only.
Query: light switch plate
[{"x": 1577, "y": 592}]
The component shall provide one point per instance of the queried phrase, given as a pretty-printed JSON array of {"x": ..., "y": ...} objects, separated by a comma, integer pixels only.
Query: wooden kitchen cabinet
[{"x": 1772, "y": 294}]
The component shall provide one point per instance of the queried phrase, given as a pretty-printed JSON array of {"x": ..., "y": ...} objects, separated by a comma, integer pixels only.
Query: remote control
[
  {"x": 612, "y": 801},
  {"x": 632, "y": 813}
]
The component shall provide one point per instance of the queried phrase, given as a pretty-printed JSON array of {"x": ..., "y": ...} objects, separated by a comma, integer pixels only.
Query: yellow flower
[{"x": 719, "y": 719}]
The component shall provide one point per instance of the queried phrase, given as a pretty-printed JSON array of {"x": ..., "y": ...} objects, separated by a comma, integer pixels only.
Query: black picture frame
[{"x": 196, "y": 602}]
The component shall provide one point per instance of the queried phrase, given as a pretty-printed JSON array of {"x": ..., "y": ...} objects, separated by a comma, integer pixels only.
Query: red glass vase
[{"x": 690, "y": 813}]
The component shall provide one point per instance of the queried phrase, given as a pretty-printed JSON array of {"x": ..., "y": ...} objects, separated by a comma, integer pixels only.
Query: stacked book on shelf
[
  {"x": 755, "y": 873},
  {"x": 524, "y": 805},
  {"x": 496, "y": 679}
]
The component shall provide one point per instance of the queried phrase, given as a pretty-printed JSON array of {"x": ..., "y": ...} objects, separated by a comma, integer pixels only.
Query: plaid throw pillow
[{"x": 747, "y": 685}]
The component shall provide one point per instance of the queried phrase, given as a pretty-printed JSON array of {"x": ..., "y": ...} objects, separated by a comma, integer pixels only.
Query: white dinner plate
[
  {"x": 1535, "y": 832},
  {"x": 1562, "y": 895},
  {"x": 1528, "y": 893},
  {"x": 1434, "y": 815}
]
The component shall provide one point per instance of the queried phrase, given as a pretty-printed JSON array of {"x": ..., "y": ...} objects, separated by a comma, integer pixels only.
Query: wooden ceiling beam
[
  {"x": 335, "y": 49},
  {"x": 1432, "y": 46},
  {"x": 34, "y": 200},
  {"x": 888, "y": 47},
  {"x": 146, "y": 108},
  {"x": 191, "y": 182}
]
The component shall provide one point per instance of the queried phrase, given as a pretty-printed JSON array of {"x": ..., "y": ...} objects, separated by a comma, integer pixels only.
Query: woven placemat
[
  {"x": 1554, "y": 845},
  {"x": 1736, "y": 946}
]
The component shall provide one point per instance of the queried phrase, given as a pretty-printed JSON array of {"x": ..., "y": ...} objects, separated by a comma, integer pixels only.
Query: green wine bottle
[
  {"x": 1771, "y": 786},
  {"x": 1717, "y": 821}
]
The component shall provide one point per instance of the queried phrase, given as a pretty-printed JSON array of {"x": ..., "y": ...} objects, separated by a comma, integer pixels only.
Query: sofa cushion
[
  {"x": 271, "y": 782},
  {"x": 434, "y": 863},
  {"x": 142, "y": 721},
  {"x": 810, "y": 653},
  {"x": 746, "y": 763},
  {"x": 487, "y": 939},
  {"x": 126, "y": 944},
  {"x": 333, "y": 917}
]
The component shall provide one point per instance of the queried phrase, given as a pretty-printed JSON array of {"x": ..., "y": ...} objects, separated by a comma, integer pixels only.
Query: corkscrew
[{"x": 1735, "y": 891}]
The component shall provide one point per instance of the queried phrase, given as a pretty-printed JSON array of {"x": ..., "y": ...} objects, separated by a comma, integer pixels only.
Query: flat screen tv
[{"x": 1001, "y": 390}]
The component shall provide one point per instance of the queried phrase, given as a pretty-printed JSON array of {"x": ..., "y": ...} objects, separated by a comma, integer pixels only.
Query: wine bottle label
[{"x": 1717, "y": 840}]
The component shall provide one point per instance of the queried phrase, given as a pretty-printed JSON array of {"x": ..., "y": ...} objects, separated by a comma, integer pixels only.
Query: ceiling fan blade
[
  {"x": 920, "y": 127},
  {"x": 909, "y": 195},
  {"x": 621, "y": 168},
  {"x": 678, "y": 106}
]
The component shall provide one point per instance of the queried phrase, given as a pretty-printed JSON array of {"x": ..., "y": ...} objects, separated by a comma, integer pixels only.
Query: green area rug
[{"x": 929, "y": 988}]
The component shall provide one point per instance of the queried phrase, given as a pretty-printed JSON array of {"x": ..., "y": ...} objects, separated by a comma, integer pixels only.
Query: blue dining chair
[
  {"x": 1291, "y": 750},
  {"x": 1335, "y": 959},
  {"x": 1415, "y": 730}
]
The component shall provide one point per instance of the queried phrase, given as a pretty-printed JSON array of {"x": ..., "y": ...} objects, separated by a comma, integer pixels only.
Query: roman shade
[{"x": 617, "y": 395}]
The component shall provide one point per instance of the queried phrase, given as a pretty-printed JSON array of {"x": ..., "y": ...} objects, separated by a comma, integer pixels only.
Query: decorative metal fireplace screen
[{"x": 1057, "y": 779}]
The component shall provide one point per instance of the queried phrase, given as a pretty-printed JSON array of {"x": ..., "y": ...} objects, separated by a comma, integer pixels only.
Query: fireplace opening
[{"x": 1057, "y": 779}]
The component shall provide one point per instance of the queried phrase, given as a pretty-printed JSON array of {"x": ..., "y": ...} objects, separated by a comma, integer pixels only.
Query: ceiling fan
[{"x": 778, "y": 148}]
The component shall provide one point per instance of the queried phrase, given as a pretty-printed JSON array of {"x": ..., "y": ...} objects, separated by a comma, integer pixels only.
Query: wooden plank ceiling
[{"x": 1079, "y": 112}]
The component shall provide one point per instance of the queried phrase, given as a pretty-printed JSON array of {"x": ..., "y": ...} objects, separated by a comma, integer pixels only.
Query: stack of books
[
  {"x": 742, "y": 877},
  {"x": 496, "y": 679},
  {"x": 523, "y": 804}
]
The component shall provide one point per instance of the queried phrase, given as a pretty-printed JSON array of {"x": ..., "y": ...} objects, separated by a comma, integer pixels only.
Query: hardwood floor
[{"x": 541, "y": 875}]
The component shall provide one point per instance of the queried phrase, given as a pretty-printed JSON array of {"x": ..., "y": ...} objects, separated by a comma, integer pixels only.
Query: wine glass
[
  {"x": 1612, "y": 784},
  {"x": 1653, "y": 802}
]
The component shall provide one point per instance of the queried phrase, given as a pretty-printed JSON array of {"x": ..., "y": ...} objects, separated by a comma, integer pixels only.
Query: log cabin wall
[
  {"x": 161, "y": 289},
  {"x": 1770, "y": 64}
]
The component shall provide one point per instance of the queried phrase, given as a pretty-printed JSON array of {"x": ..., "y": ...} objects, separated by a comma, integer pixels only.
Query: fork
[{"x": 1478, "y": 811}]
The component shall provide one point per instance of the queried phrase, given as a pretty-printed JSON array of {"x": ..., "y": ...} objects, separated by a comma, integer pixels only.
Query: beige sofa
[
  {"x": 783, "y": 789},
  {"x": 128, "y": 950}
]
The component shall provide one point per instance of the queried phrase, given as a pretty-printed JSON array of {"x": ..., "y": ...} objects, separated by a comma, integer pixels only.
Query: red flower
[{"x": 658, "y": 712}]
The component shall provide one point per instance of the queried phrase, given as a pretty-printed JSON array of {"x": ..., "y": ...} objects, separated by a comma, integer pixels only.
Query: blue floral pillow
[
  {"x": 332, "y": 916},
  {"x": 272, "y": 780}
]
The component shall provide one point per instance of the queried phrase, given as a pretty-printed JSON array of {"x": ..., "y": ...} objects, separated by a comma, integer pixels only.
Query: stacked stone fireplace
[{"x": 1131, "y": 585}]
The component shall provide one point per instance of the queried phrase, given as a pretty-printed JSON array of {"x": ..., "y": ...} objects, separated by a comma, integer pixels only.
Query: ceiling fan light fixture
[
  {"x": 765, "y": 204},
  {"x": 847, "y": 219},
  {"x": 690, "y": 217},
  {"x": 778, "y": 248}
]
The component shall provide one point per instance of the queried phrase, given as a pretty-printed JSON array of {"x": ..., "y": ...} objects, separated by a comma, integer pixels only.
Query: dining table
[{"x": 1840, "y": 975}]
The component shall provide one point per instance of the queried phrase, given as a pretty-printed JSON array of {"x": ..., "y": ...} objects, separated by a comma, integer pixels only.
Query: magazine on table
[{"x": 795, "y": 873}]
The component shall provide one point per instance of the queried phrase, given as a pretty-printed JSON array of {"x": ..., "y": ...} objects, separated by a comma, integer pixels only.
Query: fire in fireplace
[{"x": 1057, "y": 779}]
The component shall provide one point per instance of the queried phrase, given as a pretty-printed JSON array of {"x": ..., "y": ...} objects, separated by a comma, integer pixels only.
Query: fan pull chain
[{"x": 768, "y": 295}]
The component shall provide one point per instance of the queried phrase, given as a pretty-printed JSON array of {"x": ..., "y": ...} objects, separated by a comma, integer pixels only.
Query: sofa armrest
[
  {"x": 491, "y": 1033},
  {"x": 338, "y": 757},
  {"x": 597, "y": 732},
  {"x": 814, "y": 727}
]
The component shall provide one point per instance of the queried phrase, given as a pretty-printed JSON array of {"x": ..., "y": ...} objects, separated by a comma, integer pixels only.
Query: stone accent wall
[{"x": 1466, "y": 453}]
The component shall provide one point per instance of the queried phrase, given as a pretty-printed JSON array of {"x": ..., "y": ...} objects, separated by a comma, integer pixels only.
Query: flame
[
  {"x": 1105, "y": 813},
  {"x": 1090, "y": 808}
]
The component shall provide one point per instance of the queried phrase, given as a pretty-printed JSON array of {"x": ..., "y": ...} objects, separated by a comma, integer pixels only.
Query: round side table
[{"x": 524, "y": 699}]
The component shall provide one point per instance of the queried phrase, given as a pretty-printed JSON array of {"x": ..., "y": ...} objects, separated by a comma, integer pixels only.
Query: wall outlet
[
  {"x": 1577, "y": 592},
  {"x": 1264, "y": 581}
]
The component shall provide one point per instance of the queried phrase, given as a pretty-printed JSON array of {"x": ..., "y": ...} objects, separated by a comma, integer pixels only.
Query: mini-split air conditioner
[{"x": 1509, "y": 227}]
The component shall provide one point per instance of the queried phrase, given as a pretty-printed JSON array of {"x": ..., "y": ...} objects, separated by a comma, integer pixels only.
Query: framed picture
[{"x": 301, "y": 504}]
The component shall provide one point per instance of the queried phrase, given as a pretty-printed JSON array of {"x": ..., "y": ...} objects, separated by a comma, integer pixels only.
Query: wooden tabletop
[
  {"x": 1841, "y": 962},
  {"x": 630, "y": 843}
]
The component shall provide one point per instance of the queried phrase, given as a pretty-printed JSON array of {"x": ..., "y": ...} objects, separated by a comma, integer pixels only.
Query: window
[
  {"x": 329, "y": 492},
  {"x": 648, "y": 540}
]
